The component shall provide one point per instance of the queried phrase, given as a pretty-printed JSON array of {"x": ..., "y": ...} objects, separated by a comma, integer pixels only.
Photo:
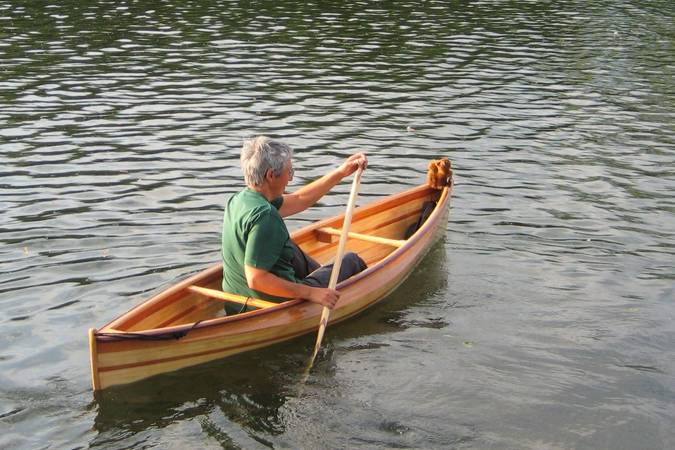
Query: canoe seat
[
  {"x": 324, "y": 235},
  {"x": 227, "y": 297}
]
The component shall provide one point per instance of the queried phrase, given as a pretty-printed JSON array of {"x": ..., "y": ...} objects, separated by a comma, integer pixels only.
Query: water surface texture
[{"x": 544, "y": 320}]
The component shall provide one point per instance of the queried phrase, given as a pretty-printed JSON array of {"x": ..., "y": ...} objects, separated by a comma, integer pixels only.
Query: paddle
[{"x": 346, "y": 223}]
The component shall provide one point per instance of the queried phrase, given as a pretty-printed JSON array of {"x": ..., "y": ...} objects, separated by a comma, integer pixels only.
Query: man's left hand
[{"x": 353, "y": 163}]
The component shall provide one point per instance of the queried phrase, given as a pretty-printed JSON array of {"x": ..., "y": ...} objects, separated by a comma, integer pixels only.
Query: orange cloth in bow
[{"x": 440, "y": 173}]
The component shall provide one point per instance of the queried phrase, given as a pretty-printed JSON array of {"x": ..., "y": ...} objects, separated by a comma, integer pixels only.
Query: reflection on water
[
  {"x": 248, "y": 390},
  {"x": 549, "y": 323}
]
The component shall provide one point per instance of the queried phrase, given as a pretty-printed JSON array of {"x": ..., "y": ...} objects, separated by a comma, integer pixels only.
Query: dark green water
[{"x": 543, "y": 321}]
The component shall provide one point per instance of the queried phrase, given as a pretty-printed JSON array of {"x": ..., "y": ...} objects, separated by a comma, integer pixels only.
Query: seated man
[{"x": 259, "y": 258}]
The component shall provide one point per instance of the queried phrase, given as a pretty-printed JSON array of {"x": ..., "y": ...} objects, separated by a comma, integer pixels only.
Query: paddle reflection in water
[{"x": 255, "y": 395}]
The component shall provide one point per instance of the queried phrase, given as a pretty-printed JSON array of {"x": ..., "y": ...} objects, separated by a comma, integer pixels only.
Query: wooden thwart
[
  {"x": 220, "y": 295},
  {"x": 328, "y": 231}
]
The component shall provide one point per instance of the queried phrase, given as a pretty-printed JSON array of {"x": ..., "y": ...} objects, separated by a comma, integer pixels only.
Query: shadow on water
[
  {"x": 248, "y": 389},
  {"x": 252, "y": 389}
]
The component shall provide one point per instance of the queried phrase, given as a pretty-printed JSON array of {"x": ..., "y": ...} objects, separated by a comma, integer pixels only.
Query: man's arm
[
  {"x": 264, "y": 281},
  {"x": 307, "y": 195}
]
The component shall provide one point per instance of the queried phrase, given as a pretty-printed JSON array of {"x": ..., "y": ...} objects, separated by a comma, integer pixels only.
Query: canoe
[{"x": 184, "y": 325}]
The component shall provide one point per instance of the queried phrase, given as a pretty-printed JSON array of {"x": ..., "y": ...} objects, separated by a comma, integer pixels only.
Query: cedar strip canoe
[{"x": 184, "y": 325}]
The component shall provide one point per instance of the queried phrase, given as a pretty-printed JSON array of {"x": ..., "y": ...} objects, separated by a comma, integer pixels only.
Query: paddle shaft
[{"x": 346, "y": 223}]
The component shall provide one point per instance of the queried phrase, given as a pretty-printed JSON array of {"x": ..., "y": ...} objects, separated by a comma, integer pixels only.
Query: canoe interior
[{"x": 388, "y": 218}]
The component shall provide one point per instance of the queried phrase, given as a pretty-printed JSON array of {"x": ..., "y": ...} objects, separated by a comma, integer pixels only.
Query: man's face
[{"x": 279, "y": 183}]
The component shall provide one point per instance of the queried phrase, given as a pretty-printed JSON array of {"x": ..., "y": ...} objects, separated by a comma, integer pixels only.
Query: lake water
[{"x": 544, "y": 320}]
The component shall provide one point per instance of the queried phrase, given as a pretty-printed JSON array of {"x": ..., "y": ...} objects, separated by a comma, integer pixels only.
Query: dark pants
[{"x": 314, "y": 274}]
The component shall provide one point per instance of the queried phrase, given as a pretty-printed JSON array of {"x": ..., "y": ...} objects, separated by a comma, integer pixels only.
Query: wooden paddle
[{"x": 346, "y": 223}]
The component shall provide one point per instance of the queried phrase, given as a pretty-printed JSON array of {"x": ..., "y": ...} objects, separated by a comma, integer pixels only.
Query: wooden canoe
[{"x": 184, "y": 325}]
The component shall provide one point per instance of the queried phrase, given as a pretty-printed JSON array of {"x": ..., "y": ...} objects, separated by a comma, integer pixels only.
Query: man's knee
[
  {"x": 356, "y": 263},
  {"x": 351, "y": 265}
]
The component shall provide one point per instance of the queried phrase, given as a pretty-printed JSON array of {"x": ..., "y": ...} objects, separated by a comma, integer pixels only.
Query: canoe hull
[{"x": 125, "y": 351}]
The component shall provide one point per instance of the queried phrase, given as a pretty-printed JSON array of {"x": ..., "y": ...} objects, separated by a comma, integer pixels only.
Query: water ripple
[{"x": 120, "y": 126}]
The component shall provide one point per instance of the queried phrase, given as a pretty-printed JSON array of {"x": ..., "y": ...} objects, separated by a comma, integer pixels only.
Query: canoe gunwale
[
  {"x": 108, "y": 333},
  {"x": 429, "y": 225}
]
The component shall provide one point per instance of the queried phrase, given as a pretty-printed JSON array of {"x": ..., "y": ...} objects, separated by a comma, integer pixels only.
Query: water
[{"x": 543, "y": 320}]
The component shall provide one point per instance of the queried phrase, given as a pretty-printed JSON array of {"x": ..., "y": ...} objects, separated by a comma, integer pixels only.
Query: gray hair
[{"x": 260, "y": 154}]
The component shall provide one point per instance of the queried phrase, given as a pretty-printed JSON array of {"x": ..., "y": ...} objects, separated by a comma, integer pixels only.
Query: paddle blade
[{"x": 325, "y": 314}]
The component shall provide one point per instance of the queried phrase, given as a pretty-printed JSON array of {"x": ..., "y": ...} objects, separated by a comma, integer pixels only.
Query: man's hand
[
  {"x": 264, "y": 281},
  {"x": 354, "y": 162},
  {"x": 324, "y": 296}
]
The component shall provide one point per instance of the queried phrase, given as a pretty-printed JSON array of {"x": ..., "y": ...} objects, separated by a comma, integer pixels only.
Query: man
[{"x": 259, "y": 258}]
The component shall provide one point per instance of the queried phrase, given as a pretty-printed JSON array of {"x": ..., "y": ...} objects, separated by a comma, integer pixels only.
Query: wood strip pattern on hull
[{"x": 178, "y": 327}]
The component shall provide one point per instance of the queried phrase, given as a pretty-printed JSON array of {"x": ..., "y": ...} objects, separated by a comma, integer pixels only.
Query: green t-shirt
[{"x": 254, "y": 234}]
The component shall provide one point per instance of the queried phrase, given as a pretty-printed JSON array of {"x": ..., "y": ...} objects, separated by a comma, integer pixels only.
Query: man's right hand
[
  {"x": 264, "y": 281},
  {"x": 324, "y": 296}
]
